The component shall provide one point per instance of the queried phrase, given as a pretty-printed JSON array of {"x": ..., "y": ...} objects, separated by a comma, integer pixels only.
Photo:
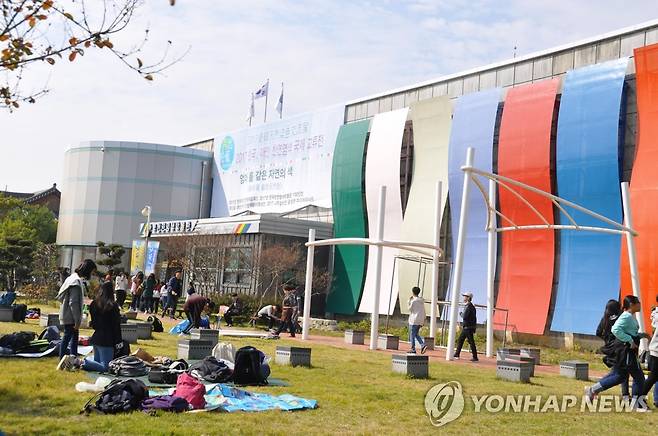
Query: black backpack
[
  {"x": 168, "y": 375},
  {"x": 157, "y": 324},
  {"x": 17, "y": 341},
  {"x": 247, "y": 370},
  {"x": 119, "y": 396},
  {"x": 212, "y": 370},
  {"x": 128, "y": 366},
  {"x": 19, "y": 313},
  {"x": 123, "y": 351}
]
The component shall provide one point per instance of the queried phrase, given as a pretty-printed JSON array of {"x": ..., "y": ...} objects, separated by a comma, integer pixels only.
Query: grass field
[{"x": 355, "y": 390}]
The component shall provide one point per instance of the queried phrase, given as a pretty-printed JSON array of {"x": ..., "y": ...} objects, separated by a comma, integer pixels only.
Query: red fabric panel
[
  {"x": 644, "y": 184},
  {"x": 524, "y": 154}
]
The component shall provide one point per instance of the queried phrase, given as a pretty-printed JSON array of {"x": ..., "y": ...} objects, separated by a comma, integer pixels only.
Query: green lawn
[{"x": 355, "y": 390}]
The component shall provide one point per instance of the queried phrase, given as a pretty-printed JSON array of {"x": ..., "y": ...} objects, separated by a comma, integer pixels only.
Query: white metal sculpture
[{"x": 473, "y": 175}]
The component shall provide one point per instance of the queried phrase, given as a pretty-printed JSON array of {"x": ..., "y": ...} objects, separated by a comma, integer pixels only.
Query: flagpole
[
  {"x": 281, "y": 112},
  {"x": 267, "y": 93}
]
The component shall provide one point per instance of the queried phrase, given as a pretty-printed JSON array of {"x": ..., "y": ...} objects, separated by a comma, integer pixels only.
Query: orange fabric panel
[
  {"x": 524, "y": 154},
  {"x": 644, "y": 183}
]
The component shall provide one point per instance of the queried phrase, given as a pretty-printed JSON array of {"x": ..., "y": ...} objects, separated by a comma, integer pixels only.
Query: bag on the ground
[
  {"x": 16, "y": 341},
  {"x": 35, "y": 346},
  {"x": 19, "y": 312},
  {"x": 122, "y": 351},
  {"x": 128, "y": 366},
  {"x": 249, "y": 368},
  {"x": 156, "y": 323},
  {"x": 180, "y": 327},
  {"x": 50, "y": 333},
  {"x": 212, "y": 370},
  {"x": 224, "y": 351},
  {"x": 168, "y": 403},
  {"x": 168, "y": 375},
  {"x": 192, "y": 390},
  {"x": 119, "y": 396}
]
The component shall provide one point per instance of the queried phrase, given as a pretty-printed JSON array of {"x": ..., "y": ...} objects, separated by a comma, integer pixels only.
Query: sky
[{"x": 326, "y": 52}]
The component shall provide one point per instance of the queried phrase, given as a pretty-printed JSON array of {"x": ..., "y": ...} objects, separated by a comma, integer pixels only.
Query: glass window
[
  {"x": 471, "y": 84},
  {"x": 505, "y": 76},
  {"x": 373, "y": 108},
  {"x": 488, "y": 80},
  {"x": 585, "y": 56},
  {"x": 629, "y": 42},
  {"x": 456, "y": 87},
  {"x": 651, "y": 36},
  {"x": 523, "y": 72},
  {"x": 439, "y": 89},
  {"x": 237, "y": 266},
  {"x": 608, "y": 50},
  {"x": 385, "y": 104},
  {"x": 542, "y": 68},
  {"x": 563, "y": 62},
  {"x": 425, "y": 93}
]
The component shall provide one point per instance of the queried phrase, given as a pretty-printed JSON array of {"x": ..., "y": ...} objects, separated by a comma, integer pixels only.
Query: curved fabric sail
[
  {"x": 431, "y": 128},
  {"x": 524, "y": 154},
  {"x": 587, "y": 166},
  {"x": 644, "y": 182},
  {"x": 473, "y": 125},
  {"x": 349, "y": 217},
  {"x": 383, "y": 168}
]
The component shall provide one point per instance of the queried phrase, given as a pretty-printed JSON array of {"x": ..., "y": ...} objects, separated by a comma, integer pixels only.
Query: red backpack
[{"x": 189, "y": 388}]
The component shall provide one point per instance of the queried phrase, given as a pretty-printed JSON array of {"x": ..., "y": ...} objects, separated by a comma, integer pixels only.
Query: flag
[
  {"x": 252, "y": 110},
  {"x": 262, "y": 92},
  {"x": 279, "y": 105}
]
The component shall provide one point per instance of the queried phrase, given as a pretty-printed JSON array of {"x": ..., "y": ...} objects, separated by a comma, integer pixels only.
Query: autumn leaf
[
  {"x": 139, "y": 63},
  {"x": 68, "y": 15},
  {"x": 32, "y": 21},
  {"x": 51, "y": 61},
  {"x": 73, "y": 41},
  {"x": 148, "y": 77},
  {"x": 4, "y": 37},
  {"x": 72, "y": 56},
  {"x": 47, "y": 5},
  {"x": 87, "y": 44},
  {"x": 42, "y": 17}
]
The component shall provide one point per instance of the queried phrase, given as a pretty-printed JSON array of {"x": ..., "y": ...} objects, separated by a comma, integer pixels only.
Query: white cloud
[{"x": 325, "y": 52}]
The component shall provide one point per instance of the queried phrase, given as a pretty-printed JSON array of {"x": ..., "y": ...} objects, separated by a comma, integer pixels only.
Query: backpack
[
  {"x": 168, "y": 403},
  {"x": 35, "y": 346},
  {"x": 119, "y": 396},
  {"x": 50, "y": 333},
  {"x": 192, "y": 390},
  {"x": 248, "y": 367},
  {"x": 212, "y": 370},
  {"x": 168, "y": 375},
  {"x": 157, "y": 324},
  {"x": 19, "y": 312},
  {"x": 128, "y": 366},
  {"x": 16, "y": 341},
  {"x": 123, "y": 351}
]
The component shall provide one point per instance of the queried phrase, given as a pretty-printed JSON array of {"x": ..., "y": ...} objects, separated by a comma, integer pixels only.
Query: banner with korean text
[{"x": 276, "y": 167}]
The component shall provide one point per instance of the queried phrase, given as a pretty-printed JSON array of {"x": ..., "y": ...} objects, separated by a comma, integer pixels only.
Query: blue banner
[{"x": 587, "y": 165}]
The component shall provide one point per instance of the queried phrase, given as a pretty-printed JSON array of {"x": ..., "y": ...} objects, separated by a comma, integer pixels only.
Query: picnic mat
[
  {"x": 145, "y": 379},
  {"x": 82, "y": 351},
  {"x": 227, "y": 398}
]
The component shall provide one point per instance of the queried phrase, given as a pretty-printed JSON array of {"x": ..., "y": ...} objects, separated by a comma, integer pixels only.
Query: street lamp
[{"x": 146, "y": 211}]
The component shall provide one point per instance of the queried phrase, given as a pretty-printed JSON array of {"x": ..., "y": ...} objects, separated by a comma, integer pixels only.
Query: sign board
[
  {"x": 139, "y": 253},
  {"x": 276, "y": 167}
]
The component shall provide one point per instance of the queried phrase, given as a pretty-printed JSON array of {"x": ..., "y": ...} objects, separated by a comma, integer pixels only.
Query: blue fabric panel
[
  {"x": 587, "y": 166},
  {"x": 473, "y": 125}
]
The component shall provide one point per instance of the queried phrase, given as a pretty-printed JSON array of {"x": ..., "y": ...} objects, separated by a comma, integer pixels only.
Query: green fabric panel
[{"x": 349, "y": 218}]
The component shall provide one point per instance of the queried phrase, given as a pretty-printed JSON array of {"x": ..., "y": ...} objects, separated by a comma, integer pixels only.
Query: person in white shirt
[
  {"x": 269, "y": 314},
  {"x": 416, "y": 320},
  {"x": 120, "y": 288},
  {"x": 652, "y": 380}
]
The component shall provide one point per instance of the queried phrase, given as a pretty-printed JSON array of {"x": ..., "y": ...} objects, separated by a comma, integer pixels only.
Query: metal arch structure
[
  {"x": 473, "y": 175},
  {"x": 434, "y": 252}
]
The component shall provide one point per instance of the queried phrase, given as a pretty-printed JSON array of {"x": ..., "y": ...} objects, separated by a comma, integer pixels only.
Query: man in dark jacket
[
  {"x": 175, "y": 287},
  {"x": 469, "y": 324},
  {"x": 194, "y": 307}
]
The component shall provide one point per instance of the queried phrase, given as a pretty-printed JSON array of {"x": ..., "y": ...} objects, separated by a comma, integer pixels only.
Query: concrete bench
[
  {"x": 6, "y": 314},
  {"x": 577, "y": 369},
  {"x": 293, "y": 356},
  {"x": 205, "y": 334},
  {"x": 524, "y": 359},
  {"x": 194, "y": 349},
  {"x": 388, "y": 342},
  {"x": 513, "y": 370},
  {"x": 48, "y": 319},
  {"x": 535, "y": 353},
  {"x": 144, "y": 329},
  {"x": 129, "y": 333},
  {"x": 355, "y": 337},
  {"x": 411, "y": 365}
]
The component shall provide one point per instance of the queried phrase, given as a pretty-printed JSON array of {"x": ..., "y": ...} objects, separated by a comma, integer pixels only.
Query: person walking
[
  {"x": 469, "y": 324},
  {"x": 136, "y": 290},
  {"x": 120, "y": 288},
  {"x": 604, "y": 331},
  {"x": 626, "y": 332},
  {"x": 147, "y": 295},
  {"x": 652, "y": 380},
  {"x": 155, "y": 301},
  {"x": 164, "y": 297},
  {"x": 106, "y": 322},
  {"x": 289, "y": 302},
  {"x": 417, "y": 316},
  {"x": 175, "y": 286},
  {"x": 71, "y": 297}
]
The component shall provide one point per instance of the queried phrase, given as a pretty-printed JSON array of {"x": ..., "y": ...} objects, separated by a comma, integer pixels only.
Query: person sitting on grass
[
  {"x": 417, "y": 316},
  {"x": 469, "y": 323},
  {"x": 233, "y": 310},
  {"x": 626, "y": 331},
  {"x": 194, "y": 307},
  {"x": 268, "y": 314},
  {"x": 106, "y": 322}
]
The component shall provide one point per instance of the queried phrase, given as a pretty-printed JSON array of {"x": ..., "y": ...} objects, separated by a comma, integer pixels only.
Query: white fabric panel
[
  {"x": 383, "y": 168},
  {"x": 431, "y": 127}
]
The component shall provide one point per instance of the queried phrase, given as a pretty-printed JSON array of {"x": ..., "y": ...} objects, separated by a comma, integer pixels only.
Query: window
[{"x": 237, "y": 267}]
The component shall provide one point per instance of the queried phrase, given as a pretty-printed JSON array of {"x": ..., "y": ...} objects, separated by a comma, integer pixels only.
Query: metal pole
[
  {"x": 491, "y": 265},
  {"x": 459, "y": 257},
  {"x": 146, "y": 238},
  {"x": 435, "y": 262},
  {"x": 310, "y": 254},
  {"x": 374, "y": 319},
  {"x": 632, "y": 255}
]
